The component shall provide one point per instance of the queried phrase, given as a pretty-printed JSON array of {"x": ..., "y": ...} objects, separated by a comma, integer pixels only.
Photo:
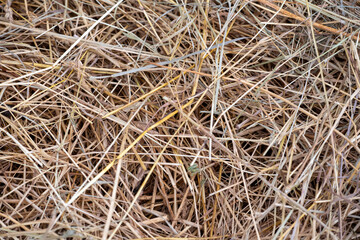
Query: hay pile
[{"x": 179, "y": 119}]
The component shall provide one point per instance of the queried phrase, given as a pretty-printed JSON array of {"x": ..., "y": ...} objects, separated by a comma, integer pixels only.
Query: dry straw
[{"x": 171, "y": 119}]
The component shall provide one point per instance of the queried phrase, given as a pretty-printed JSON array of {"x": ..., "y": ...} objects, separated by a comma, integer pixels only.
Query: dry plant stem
[
  {"x": 309, "y": 21},
  {"x": 234, "y": 157},
  {"x": 246, "y": 83},
  {"x": 143, "y": 96},
  {"x": 179, "y": 120},
  {"x": 113, "y": 197},
  {"x": 16, "y": 222},
  {"x": 97, "y": 177},
  {"x": 70, "y": 48},
  {"x": 159, "y": 157},
  {"x": 274, "y": 95}
]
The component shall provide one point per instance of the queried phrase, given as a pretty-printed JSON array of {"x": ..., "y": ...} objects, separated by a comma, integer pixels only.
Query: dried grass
[{"x": 179, "y": 119}]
